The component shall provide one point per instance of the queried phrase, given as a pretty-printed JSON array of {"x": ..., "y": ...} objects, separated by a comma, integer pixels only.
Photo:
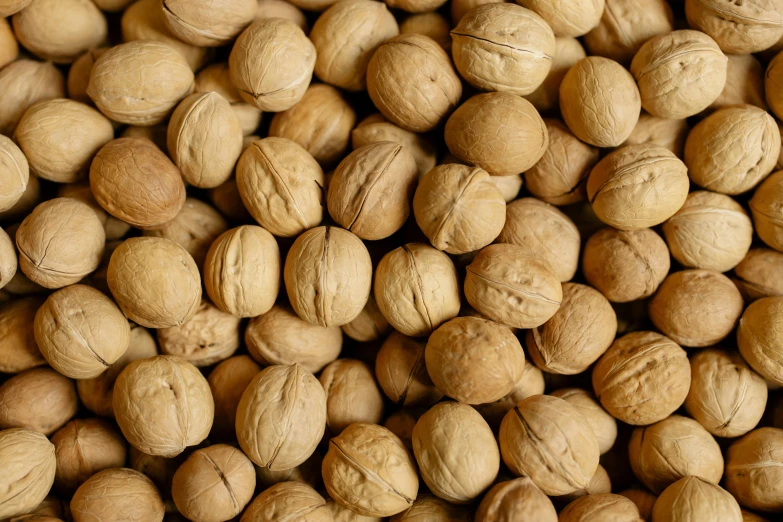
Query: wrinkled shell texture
[
  {"x": 760, "y": 274},
  {"x": 604, "y": 506},
  {"x": 753, "y": 470},
  {"x": 288, "y": 501},
  {"x": 210, "y": 336},
  {"x": 117, "y": 494},
  {"x": 216, "y": 78},
  {"x": 14, "y": 173},
  {"x": 604, "y": 425},
  {"x": 208, "y": 22},
  {"x": 531, "y": 383},
  {"x": 227, "y": 382},
  {"x": 738, "y": 27},
  {"x": 85, "y": 447},
  {"x": 28, "y": 471},
  {"x": 8, "y": 260},
  {"x": 402, "y": 372},
  {"x": 351, "y": 395},
  {"x": 662, "y": 132},
  {"x": 369, "y": 325},
  {"x": 744, "y": 83},
  {"x": 39, "y": 399},
  {"x": 429, "y": 507},
  {"x": 691, "y": 499},
  {"x": 760, "y": 337},
  {"x": 376, "y": 127},
  {"x": 767, "y": 209},
  {"x": 518, "y": 499},
  {"x": 18, "y": 349},
  {"x": 23, "y": 83},
  {"x": 568, "y": 51},
  {"x": 433, "y": 25}
]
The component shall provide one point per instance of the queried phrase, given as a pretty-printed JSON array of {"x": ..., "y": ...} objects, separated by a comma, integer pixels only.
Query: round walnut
[
  {"x": 401, "y": 423},
  {"x": 281, "y": 185},
  {"x": 531, "y": 383},
  {"x": 97, "y": 498},
  {"x": 155, "y": 282},
  {"x": 288, "y": 501},
  {"x": 738, "y": 27},
  {"x": 81, "y": 332},
  {"x": 568, "y": 51},
  {"x": 767, "y": 209},
  {"x": 710, "y": 231},
  {"x": 18, "y": 349},
  {"x": 417, "y": 289},
  {"x": 661, "y": 132},
  {"x": 599, "y": 101},
  {"x": 604, "y": 426},
  {"x": 599, "y": 484},
  {"x": 39, "y": 399},
  {"x": 370, "y": 191},
  {"x": 733, "y": 149},
  {"x": 352, "y": 396},
  {"x": 744, "y": 83},
  {"x": 473, "y": 360},
  {"x": 8, "y": 260},
  {"x": 9, "y": 48},
  {"x": 625, "y": 25},
  {"x": 28, "y": 471},
  {"x": 679, "y": 74},
  {"x": 759, "y": 337},
  {"x": 643, "y": 499},
  {"x": 596, "y": 508},
  {"x": 456, "y": 451},
  {"x": 158, "y": 469},
  {"x": 505, "y": 33},
  {"x": 400, "y": 85},
  {"x": 328, "y": 275},
  {"x": 369, "y": 325},
  {"x": 692, "y": 499},
  {"x": 753, "y": 465},
  {"x": 402, "y": 373},
  {"x": 83, "y": 448},
  {"x": 133, "y": 180},
  {"x": 9, "y": 7},
  {"x": 207, "y": 22},
  {"x": 281, "y": 337},
  {"x": 216, "y": 78},
  {"x": 518, "y": 499},
  {"x": 271, "y": 64},
  {"x": 726, "y": 396},
  {"x": 113, "y": 227},
  {"x": 281, "y": 417},
  {"x": 368, "y": 470},
  {"x": 282, "y": 9},
  {"x": 22, "y": 84},
  {"x": 507, "y": 283},
  {"x": 499, "y": 132},
  {"x": 428, "y": 507},
  {"x": 14, "y": 173},
  {"x": 308, "y": 473},
  {"x": 227, "y": 382},
  {"x": 214, "y": 484},
  {"x": 628, "y": 378},
  {"x": 433, "y": 25},
  {"x": 60, "y": 242},
  {"x": 760, "y": 274},
  {"x": 29, "y": 198},
  {"x": 773, "y": 81},
  {"x": 696, "y": 308},
  {"x": 376, "y": 127},
  {"x": 416, "y": 6},
  {"x": 208, "y": 337}
]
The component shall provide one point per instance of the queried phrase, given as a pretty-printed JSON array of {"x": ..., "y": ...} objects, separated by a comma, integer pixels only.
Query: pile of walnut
[{"x": 435, "y": 261}]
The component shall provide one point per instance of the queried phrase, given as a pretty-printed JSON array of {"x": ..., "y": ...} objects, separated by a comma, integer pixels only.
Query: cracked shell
[
  {"x": 604, "y": 425},
  {"x": 14, "y": 173},
  {"x": 760, "y": 274},
  {"x": 738, "y": 27},
  {"x": 22, "y": 84},
  {"x": 352, "y": 396},
  {"x": 692, "y": 499},
  {"x": 767, "y": 209},
  {"x": 288, "y": 501},
  {"x": 208, "y": 337},
  {"x": 119, "y": 494},
  {"x": 163, "y": 405},
  {"x": 518, "y": 499},
  {"x": 228, "y": 381},
  {"x": 209, "y": 23},
  {"x": 402, "y": 373},
  {"x": 568, "y": 17},
  {"x": 376, "y": 127},
  {"x": 760, "y": 337},
  {"x": 83, "y": 447},
  {"x": 39, "y": 399},
  {"x": 28, "y": 471},
  {"x": 81, "y": 332},
  {"x": 281, "y": 417},
  {"x": 753, "y": 470},
  {"x": 604, "y": 506},
  {"x": 18, "y": 349},
  {"x": 503, "y": 47},
  {"x": 214, "y": 484}
]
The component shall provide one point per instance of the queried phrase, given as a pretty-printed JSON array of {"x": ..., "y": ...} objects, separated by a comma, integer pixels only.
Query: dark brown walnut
[
  {"x": 595, "y": 508},
  {"x": 518, "y": 499},
  {"x": 369, "y": 325},
  {"x": 628, "y": 378},
  {"x": 23, "y": 83},
  {"x": 691, "y": 499},
  {"x": 28, "y": 471},
  {"x": 60, "y": 242},
  {"x": 661, "y": 132},
  {"x": 39, "y": 399},
  {"x": 134, "y": 181},
  {"x": 759, "y": 274},
  {"x": 753, "y": 465},
  {"x": 281, "y": 417},
  {"x": 368, "y": 470},
  {"x": 281, "y": 337},
  {"x": 767, "y": 209},
  {"x": 696, "y": 308},
  {"x": 120, "y": 494},
  {"x": 207, "y": 22},
  {"x": 401, "y": 423},
  {"x": 738, "y": 27},
  {"x": 604, "y": 425},
  {"x": 402, "y": 373},
  {"x": 214, "y": 484},
  {"x": 411, "y": 80},
  {"x": 163, "y": 405},
  {"x": 288, "y": 501},
  {"x": 18, "y": 349},
  {"x": 83, "y": 447},
  {"x": 530, "y": 383},
  {"x": 208, "y": 337},
  {"x": 376, "y": 127},
  {"x": 759, "y": 337},
  {"x": 216, "y": 78},
  {"x": 499, "y": 132},
  {"x": 370, "y": 190},
  {"x": 14, "y": 174},
  {"x": 227, "y": 382},
  {"x": 352, "y": 396},
  {"x": 309, "y": 472}
]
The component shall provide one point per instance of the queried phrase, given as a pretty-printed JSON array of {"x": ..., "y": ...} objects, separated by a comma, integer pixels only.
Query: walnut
[
  {"x": 760, "y": 274},
  {"x": 98, "y": 497},
  {"x": 753, "y": 470},
  {"x": 28, "y": 471},
  {"x": 604, "y": 425},
  {"x": 376, "y": 127},
  {"x": 594, "y": 508},
  {"x": 216, "y": 78},
  {"x": 661, "y": 132},
  {"x": 530, "y": 383},
  {"x": 433, "y": 25},
  {"x": 38, "y": 399},
  {"x": 516, "y": 499},
  {"x": 18, "y": 349},
  {"x": 568, "y": 51},
  {"x": 208, "y": 337},
  {"x": 208, "y": 22},
  {"x": 227, "y": 382},
  {"x": 759, "y": 337},
  {"x": 85, "y": 447},
  {"x": 14, "y": 174},
  {"x": 691, "y": 499},
  {"x": 738, "y": 27},
  {"x": 22, "y": 84},
  {"x": 767, "y": 210},
  {"x": 402, "y": 373},
  {"x": 352, "y": 396},
  {"x": 288, "y": 501},
  {"x": 369, "y": 325}
]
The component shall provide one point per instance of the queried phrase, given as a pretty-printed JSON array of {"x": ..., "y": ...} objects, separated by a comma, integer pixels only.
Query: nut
[
  {"x": 309, "y": 472},
  {"x": 593, "y": 508},
  {"x": 744, "y": 83},
  {"x": 288, "y": 501},
  {"x": 531, "y": 383},
  {"x": 661, "y": 132},
  {"x": 14, "y": 173},
  {"x": 599, "y": 484},
  {"x": 9, "y": 7},
  {"x": 431, "y": 508},
  {"x": 568, "y": 17},
  {"x": 38, "y": 399},
  {"x": 402, "y": 373},
  {"x": 352, "y": 396},
  {"x": 28, "y": 471},
  {"x": 768, "y": 212},
  {"x": 376, "y": 127},
  {"x": 692, "y": 499},
  {"x": 760, "y": 274},
  {"x": 160, "y": 470},
  {"x": 643, "y": 499},
  {"x": 759, "y": 336},
  {"x": 604, "y": 425},
  {"x": 753, "y": 470},
  {"x": 369, "y": 325},
  {"x": 216, "y": 78},
  {"x": 281, "y": 9},
  {"x": 739, "y": 28},
  {"x": 416, "y": 6},
  {"x": 22, "y": 84},
  {"x": 568, "y": 51},
  {"x": 227, "y": 382},
  {"x": 113, "y": 228},
  {"x": 514, "y": 499},
  {"x": 83, "y": 448},
  {"x": 433, "y": 25},
  {"x": 207, "y": 22},
  {"x": 208, "y": 337},
  {"x": 96, "y": 498},
  {"x": 18, "y": 349}
]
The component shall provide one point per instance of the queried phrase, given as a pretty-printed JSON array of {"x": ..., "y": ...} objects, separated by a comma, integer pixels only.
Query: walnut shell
[
  {"x": 767, "y": 209},
  {"x": 281, "y": 9},
  {"x": 28, "y": 471},
  {"x": 85, "y": 447},
  {"x": 216, "y": 78},
  {"x": 288, "y": 501},
  {"x": 281, "y": 417},
  {"x": 9, "y": 47},
  {"x": 744, "y": 83},
  {"x": 227, "y": 382},
  {"x": 433, "y": 25},
  {"x": 79, "y": 75},
  {"x": 226, "y": 198},
  {"x": 22, "y": 84},
  {"x": 38, "y": 399},
  {"x": 14, "y": 173},
  {"x": 402, "y": 373},
  {"x": 568, "y": 51},
  {"x": 628, "y": 377},
  {"x": 376, "y": 127},
  {"x": 643, "y": 499},
  {"x": 113, "y": 227},
  {"x": 568, "y": 17},
  {"x": 208, "y": 337},
  {"x": 9, "y": 7},
  {"x": 530, "y": 383},
  {"x": 759, "y": 337},
  {"x": 410, "y": 79},
  {"x": 369, "y": 325},
  {"x": 139, "y": 500},
  {"x": 309, "y": 472},
  {"x": 352, "y": 396},
  {"x": 18, "y": 349},
  {"x": 692, "y": 499},
  {"x": 456, "y": 451},
  {"x": 416, "y": 6},
  {"x": 760, "y": 274},
  {"x": 600, "y": 484},
  {"x": 753, "y": 470},
  {"x": 661, "y": 132},
  {"x": 499, "y": 132},
  {"x": 207, "y": 22},
  {"x": 595, "y": 508},
  {"x": 603, "y": 425},
  {"x": 8, "y": 260},
  {"x": 517, "y": 499},
  {"x": 158, "y": 469},
  {"x": 739, "y": 28}
]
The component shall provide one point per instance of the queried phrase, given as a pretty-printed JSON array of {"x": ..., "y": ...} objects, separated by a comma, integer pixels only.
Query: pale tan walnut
[
  {"x": 509, "y": 284},
  {"x": 288, "y": 501},
  {"x": 96, "y": 394},
  {"x": 214, "y": 484},
  {"x": 503, "y": 47},
  {"x": 509, "y": 186},
  {"x": 643, "y": 499},
  {"x": 345, "y": 37},
  {"x": 625, "y": 25},
  {"x": 54, "y": 507},
  {"x": 208, "y": 23},
  {"x": 321, "y": 122},
  {"x": 628, "y": 379},
  {"x": 328, "y": 275},
  {"x": 143, "y": 20},
  {"x": 163, "y": 405},
  {"x": 410, "y": 79},
  {"x": 518, "y": 499},
  {"x": 638, "y": 186},
  {"x": 738, "y": 27},
  {"x": 599, "y": 484},
  {"x": 568, "y": 51},
  {"x": 599, "y": 101},
  {"x": 18, "y": 349},
  {"x": 281, "y": 9},
  {"x": 60, "y": 242},
  {"x": 456, "y": 451},
  {"x": 216, "y": 78},
  {"x": 208, "y": 337},
  {"x": 352, "y": 395},
  {"x": 84, "y": 447},
  {"x": 370, "y": 191},
  {"x": 279, "y": 336},
  {"x": 341, "y": 513},
  {"x": 281, "y": 185},
  {"x": 28, "y": 471},
  {"x": 120, "y": 494},
  {"x": 710, "y": 231},
  {"x": 309, "y": 472},
  {"x": 112, "y": 5},
  {"x": 155, "y": 282},
  {"x": 369, "y": 325},
  {"x": 760, "y": 274},
  {"x": 281, "y": 417},
  {"x": 499, "y": 132},
  {"x": 692, "y": 499},
  {"x": 38, "y": 399},
  {"x": 759, "y": 337},
  {"x": 22, "y": 84},
  {"x": 20, "y": 285},
  {"x": 402, "y": 373},
  {"x": 415, "y": 6},
  {"x": 158, "y": 469},
  {"x": 661, "y": 132},
  {"x": 696, "y": 308},
  {"x": 81, "y": 332},
  {"x": 433, "y": 25},
  {"x": 544, "y": 232},
  {"x": 155, "y": 133},
  {"x": 603, "y": 425},
  {"x": 744, "y": 83},
  {"x": 530, "y": 383},
  {"x": 733, "y": 149},
  {"x": 753, "y": 473},
  {"x": 401, "y": 423},
  {"x": 113, "y": 227},
  {"x": 9, "y": 7},
  {"x": 417, "y": 289},
  {"x": 460, "y": 8},
  {"x": 596, "y": 508},
  {"x": 459, "y": 208},
  {"x": 767, "y": 209},
  {"x": 376, "y": 127},
  {"x": 60, "y": 30},
  {"x": 8, "y": 261},
  {"x": 568, "y": 18},
  {"x": 14, "y": 173},
  {"x": 271, "y": 64},
  {"x": 228, "y": 381}
]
